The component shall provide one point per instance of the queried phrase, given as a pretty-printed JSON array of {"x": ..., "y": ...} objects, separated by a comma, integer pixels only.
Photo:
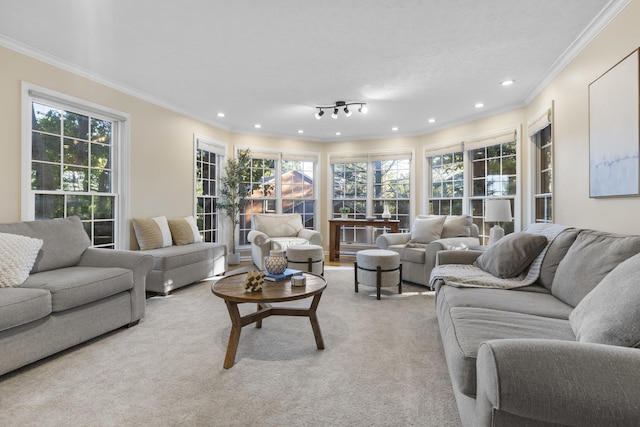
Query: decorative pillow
[
  {"x": 17, "y": 256},
  {"x": 511, "y": 255},
  {"x": 152, "y": 233},
  {"x": 457, "y": 226},
  {"x": 426, "y": 230},
  {"x": 609, "y": 313},
  {"x": 184, "y": 230},
  {"x": 592, "y": 256}
]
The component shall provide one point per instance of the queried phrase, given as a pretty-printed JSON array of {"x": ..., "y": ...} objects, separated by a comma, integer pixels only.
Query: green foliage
[{"x": 233, "y": 189}]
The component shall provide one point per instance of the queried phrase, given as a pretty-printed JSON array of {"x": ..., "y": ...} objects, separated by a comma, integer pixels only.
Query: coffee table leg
[
  {"x": 314, "y": 322},
  {"x": 234, "y": 336}
]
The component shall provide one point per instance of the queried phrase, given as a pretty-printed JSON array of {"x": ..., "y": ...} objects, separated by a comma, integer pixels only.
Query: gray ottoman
[
  {"x": 306, "y": 258},
  {"x": 378, "y": 267}
]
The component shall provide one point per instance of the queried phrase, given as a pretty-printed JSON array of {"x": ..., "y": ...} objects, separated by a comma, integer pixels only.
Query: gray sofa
[
  {"x": 418, "y": 249},
  {"x": 561, "y": 351},
  {"x": 73, "y": 293}
]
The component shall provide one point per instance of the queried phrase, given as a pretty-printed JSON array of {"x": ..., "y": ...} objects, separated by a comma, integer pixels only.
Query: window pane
[
  {"x": 101, "y": 131},
  {"x": 104, "y": 208},
  {"x": 45, "y": 147},
  {"x": 100, "y": 156},
  {"x": 76, "y": 125},
  {"x": 75, "y": 179},
  {"x": 49, "y": 206},
  {"x": 45, "y": 176},
  {"x": 101, "y": 180},
  {"x": 46, "y": 119},
  {"x": 80, "y": 206},
  {"x": 76, "y": 152}
]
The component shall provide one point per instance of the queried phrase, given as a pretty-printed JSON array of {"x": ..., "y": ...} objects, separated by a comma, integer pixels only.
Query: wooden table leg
[
  {"x": 314, "y": 322},
  {"x": 234, "y": 336}
]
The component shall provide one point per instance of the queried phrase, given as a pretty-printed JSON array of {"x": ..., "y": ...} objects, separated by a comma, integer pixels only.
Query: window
[
  {"x": 72, "y": 165},
  {"x": 280, "y": 182},
  {"x": 541, "y": 136},
  {"x": 365, "y": 185},
  {"x": 209, "y": 156},
  {"x": 462, "y": 176}
]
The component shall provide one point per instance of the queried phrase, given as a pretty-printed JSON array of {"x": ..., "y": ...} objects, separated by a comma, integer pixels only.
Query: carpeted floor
[{"x": 382, "y": 365}]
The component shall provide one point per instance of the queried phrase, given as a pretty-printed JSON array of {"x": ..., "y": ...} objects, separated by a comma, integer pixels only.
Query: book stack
[{"x": 287, "y": 274}]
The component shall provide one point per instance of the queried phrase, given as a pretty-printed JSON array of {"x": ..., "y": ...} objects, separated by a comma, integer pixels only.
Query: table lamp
[{"x": 497, "y": 210}]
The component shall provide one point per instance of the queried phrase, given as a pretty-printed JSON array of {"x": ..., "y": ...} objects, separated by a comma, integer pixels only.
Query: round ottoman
[
  {"x": 378, "y": 267},
  {"x": 306, "y": 258}
]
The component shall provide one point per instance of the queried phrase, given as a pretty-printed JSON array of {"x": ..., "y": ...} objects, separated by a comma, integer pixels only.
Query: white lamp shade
[{"x": 497, "y": 210}]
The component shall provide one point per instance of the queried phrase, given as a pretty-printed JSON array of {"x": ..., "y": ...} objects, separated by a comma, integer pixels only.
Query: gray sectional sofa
[
  {"x": 72, "y": 294},
  {"x": 560, "y": 351}
]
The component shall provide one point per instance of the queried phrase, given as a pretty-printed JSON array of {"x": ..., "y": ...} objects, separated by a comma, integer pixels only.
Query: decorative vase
[
  {"x": 275, "y": 263},
  {"x": 386, "y": 214},
  {"x": 343, "y": 215}
]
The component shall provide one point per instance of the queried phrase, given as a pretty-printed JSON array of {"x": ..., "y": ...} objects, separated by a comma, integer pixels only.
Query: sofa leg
[
  {"x": 132, "y": 324},
  {"x": 355, "y": 271},
  {"x": 378, "y": 281}
]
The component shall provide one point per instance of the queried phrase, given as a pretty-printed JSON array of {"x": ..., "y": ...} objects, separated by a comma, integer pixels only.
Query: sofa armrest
[
  {"x": 385, "y": 240},
  {"x": 563, "y": 382},
  {"x": 457, "y": 256},
  {"x": 314, "y": 237},
  {"x": 138, "y": 262},
  {"x": 258, "y": 238}
]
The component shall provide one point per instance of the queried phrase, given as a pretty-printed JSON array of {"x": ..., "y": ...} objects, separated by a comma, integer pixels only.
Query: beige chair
[
  {"x": 429, "y": 234},
  {"x": 278, "y": 232}
]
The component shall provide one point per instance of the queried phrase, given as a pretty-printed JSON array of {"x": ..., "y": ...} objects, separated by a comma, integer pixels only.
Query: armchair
[
  {"x": 429, "y": 235},
  {"x": 278, "y": 232}
]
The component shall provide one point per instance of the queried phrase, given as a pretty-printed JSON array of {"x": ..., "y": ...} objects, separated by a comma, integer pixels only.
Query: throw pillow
[
  {"x": 17, "y": 256},
  {"x": 457, "y": 226},
  {"x": 511, "y": 255},
  {"x": 589, "y": 259},
  {"x": 426, "y": 230},
  {"x": 184, "y": 230},
  {"x": 609, "y": 313},
  {"x": 152, "y": 233}
]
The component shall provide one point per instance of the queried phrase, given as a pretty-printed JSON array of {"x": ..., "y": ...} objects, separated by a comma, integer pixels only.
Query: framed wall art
[{"x": 614, "y": 131}]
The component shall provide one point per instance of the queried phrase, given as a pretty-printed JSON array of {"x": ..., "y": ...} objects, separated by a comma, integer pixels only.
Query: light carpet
[{"x": 382, "y": 365}]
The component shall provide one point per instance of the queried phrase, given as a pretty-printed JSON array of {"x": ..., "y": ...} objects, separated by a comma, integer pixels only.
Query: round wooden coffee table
[{"x": 231, "y": 290}]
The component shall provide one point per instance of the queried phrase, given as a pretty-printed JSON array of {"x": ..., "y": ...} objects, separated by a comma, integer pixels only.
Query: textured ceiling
[{"x": 271, "y": 62}]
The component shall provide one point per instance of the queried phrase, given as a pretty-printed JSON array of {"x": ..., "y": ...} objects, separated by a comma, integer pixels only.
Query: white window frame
[
  {"x": 120, "y": 153},
  {"x": 213, "y": 146},
  {"x": 535, "y": 124}
]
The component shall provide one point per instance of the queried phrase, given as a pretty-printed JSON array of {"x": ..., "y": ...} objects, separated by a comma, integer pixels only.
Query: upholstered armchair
[
  {"x": 278, "y": 232},
  {"x": 429, "y": 234}
]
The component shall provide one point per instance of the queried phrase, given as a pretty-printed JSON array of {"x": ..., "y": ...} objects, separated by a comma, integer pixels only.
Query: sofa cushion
[
  {"x": 75, "y": 286},
  {"x": 591, "y": 257},
  {"x": 17, "y": 256},
  {"x": 511, "y": 255},
  {"x": 184, "y": 231},
  {"x": 152, "y": 233},
  {"x": 64, "y": 240},
  {"x": 463, "y": 329},
  {"x": 534, "y": 300},
  {"x": 556, "y": 251},
  {"x": 165, "y": 259},
  {"x": 23, "y": 305},
  {"x": 457, "y": 226},
  {"x": 412, "y": 254},
  {"x": 282, "y": 243},
  {"x": 282, "y": 225},
  {"x": 610, "y": 314},
  {"x": 426, "y": 230}
]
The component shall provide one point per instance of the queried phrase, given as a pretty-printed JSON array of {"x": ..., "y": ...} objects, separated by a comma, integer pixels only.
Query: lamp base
[{"x": 496, "y": 233}]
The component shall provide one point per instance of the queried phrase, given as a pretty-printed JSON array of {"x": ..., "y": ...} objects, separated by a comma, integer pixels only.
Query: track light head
[
  {"x": 347, "y": 112},
  {"x": 320, "y": 113},
  {"x": 334, "y": 115},
  {"x": 363, "y": 108}
]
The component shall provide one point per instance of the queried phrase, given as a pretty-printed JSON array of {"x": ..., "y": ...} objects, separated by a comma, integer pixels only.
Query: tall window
[
  {"x": 447, "y": 184},
  {"x": 280, "y": 182},
  {"x": 464, "y": 175},
  {"x": 365, "y": 185},
  {"x": 208, "y": 166},
  {"x": 544, "y": 179},
  {"x": 72, "y": 166}
]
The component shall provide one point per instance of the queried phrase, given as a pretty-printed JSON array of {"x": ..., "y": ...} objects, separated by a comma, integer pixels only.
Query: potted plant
[
  {"x": 344, "y": 210},
  {"x": 233, "y": 196}
]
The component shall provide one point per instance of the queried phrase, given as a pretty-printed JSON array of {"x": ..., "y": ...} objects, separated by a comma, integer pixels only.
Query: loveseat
[
  {"x": 180, "y": 257},
  {"x": 278, "y": 232},
  {"x": 562, "y": 350},
  {"x": 429, "y": 235},
  {"x": 57, "y": 292}
]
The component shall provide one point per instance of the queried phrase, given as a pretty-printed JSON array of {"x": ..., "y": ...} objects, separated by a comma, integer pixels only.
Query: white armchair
[
  {"x": 278, "y": 232},
  {"x": 429, "y": 235}
]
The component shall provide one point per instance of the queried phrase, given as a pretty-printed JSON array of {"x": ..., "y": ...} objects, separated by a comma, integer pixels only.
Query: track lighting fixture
[{"x": 340, "y": 104}]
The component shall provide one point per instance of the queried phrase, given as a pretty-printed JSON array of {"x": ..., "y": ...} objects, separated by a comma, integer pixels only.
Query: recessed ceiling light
[
  {"x": 338, "y": 134},
  {"x": 432, "y": 120},
  {"x": 220, "y": 114},
  {"x": 395, "y": 128},
  {"x": 257, "y": 126},
  {"x": 479, "y": 105},
  {"x": 507, "y": 82},
  {"x": 300, "y": 131}
]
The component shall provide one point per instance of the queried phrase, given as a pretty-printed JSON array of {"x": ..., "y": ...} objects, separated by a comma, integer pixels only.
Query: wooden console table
[{"x": 336, "y": 224}]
